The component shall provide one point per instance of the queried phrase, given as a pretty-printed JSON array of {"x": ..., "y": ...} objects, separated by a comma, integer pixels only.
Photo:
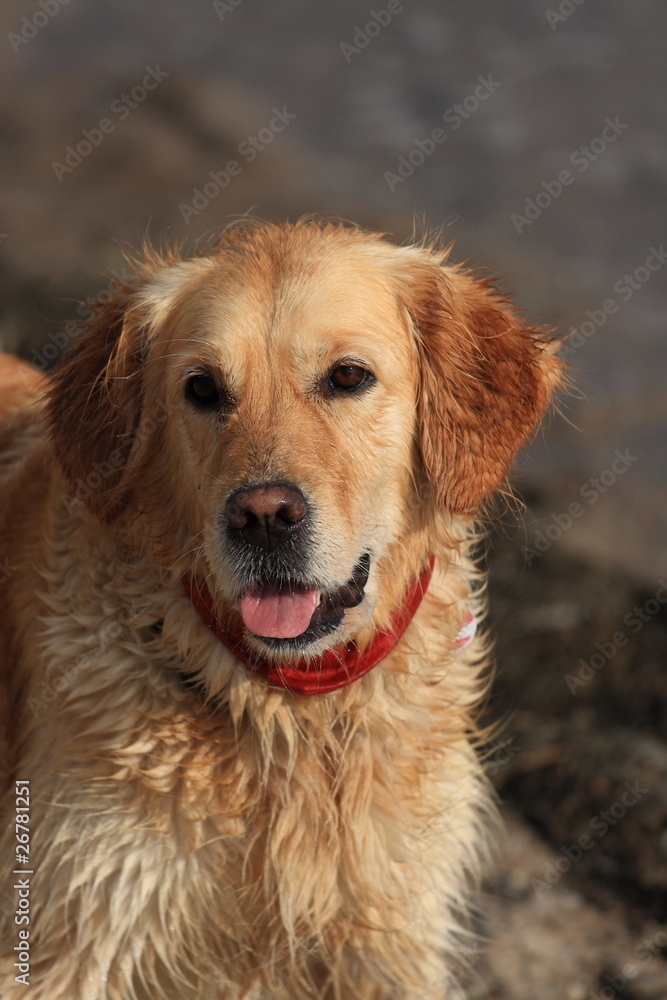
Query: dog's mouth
[{"x": 292, "y": 616}]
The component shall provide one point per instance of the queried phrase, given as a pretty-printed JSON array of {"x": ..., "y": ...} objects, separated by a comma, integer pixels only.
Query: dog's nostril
[
  {"x": 236, "y": 517},
  {"x": 266, "y": 514},
  {"x": 292, "y": 511}
]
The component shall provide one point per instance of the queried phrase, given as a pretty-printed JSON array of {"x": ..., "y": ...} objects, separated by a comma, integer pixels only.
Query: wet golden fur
[{"x": 229, "y": 839}]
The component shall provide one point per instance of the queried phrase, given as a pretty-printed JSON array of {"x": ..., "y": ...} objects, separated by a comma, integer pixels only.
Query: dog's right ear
[
  {"x": 485, "y": 381},
  {"x": 95, "y": 405}
]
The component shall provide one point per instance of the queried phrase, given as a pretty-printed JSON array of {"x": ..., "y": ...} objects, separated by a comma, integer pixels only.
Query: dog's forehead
[{"x": 301, "y": 305}]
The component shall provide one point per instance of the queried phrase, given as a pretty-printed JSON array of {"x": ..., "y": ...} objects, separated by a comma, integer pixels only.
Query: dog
[{"x": 239, "y": 586}]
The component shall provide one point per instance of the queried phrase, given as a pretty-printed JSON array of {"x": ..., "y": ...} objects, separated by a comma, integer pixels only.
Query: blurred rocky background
[{"x": 533, "y": 132}]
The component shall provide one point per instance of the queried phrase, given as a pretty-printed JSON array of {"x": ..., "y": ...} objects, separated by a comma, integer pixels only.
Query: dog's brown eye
[
  {"x": 203, "y": 392},
  {"x": 350, "y": 377}
]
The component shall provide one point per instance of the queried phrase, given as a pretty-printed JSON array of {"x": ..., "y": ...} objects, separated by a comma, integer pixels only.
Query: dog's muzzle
[{"x": 268, "y": 528}]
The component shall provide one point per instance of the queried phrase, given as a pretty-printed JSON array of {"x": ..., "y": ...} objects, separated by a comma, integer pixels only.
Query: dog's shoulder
[
  {"x": 22, "y": 392},
  {"x": 20, "y": 383}
]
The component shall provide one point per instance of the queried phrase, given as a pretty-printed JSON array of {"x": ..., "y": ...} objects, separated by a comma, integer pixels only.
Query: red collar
[{"x": 336, "y": 668}]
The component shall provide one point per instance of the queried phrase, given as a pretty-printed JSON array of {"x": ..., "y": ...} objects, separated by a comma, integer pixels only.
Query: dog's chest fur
[{"x": 231, "y": 818}]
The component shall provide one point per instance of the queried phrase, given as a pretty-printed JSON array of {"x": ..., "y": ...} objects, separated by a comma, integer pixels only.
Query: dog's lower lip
[{"x": 330, "y": 609}]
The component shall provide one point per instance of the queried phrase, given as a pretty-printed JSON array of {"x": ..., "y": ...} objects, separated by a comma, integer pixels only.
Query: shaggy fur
[{"x": 195, "y": 833}]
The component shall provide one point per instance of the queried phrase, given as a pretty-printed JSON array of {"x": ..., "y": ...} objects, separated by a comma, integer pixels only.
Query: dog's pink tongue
[{"x": 279, "y": 616}]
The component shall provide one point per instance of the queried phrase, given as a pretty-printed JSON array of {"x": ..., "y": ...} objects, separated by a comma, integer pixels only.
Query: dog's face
[{"x": 288, "y": 416}]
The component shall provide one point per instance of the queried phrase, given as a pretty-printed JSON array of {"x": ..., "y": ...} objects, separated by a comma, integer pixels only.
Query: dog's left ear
[{"x": 485, "y": 381}]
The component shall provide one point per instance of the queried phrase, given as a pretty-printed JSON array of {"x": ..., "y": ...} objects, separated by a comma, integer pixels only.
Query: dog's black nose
[{"x": 267, "y": 514}]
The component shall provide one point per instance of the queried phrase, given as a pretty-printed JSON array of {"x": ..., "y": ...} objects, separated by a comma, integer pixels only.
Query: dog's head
[{"x": 291, "y": 413}]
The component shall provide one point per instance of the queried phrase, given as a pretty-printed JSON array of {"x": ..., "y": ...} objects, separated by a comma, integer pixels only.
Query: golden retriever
[{"x": 237, "y": 569}]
